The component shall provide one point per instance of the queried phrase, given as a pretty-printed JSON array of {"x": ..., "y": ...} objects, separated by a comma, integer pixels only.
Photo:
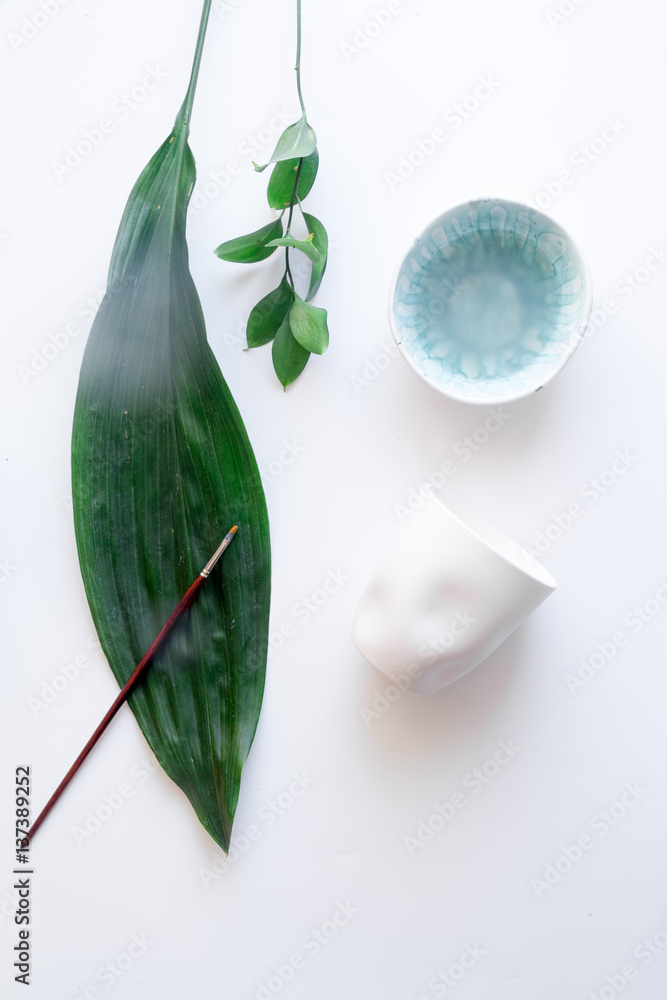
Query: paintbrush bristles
[{"x": 223, "y": 545}]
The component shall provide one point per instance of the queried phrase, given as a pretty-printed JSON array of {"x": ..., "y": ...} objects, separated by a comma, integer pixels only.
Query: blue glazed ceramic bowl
[{"x": 490, "y": 302}]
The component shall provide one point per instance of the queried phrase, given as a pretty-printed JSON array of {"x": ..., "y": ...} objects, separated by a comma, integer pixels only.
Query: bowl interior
[{"x": 491, "y": 301}]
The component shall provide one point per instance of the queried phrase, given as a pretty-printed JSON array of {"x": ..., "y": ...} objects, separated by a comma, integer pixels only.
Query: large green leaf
[{"x": 161, "y": 469}]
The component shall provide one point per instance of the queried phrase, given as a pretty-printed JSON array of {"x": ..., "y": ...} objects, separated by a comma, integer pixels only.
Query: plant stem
[
  {"x": 298, "y": 56},
  {"x": 186, "y": 109},
  {"x": 294, "y": 198},
  {"x": 288, "y": 272}
]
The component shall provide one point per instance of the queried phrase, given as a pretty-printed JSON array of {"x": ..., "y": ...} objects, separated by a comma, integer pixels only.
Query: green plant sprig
[{"x": 296, "y": 327}]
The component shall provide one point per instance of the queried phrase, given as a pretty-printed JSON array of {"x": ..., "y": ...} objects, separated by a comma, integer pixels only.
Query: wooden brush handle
[{"x": 179, "y": 610}]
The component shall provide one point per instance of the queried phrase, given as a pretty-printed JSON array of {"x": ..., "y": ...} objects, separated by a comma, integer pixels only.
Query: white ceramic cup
[{"x": 451, "y": 587}]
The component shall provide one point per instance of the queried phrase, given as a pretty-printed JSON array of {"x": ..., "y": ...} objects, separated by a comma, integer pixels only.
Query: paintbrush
[{"x": 177, "y": 613}]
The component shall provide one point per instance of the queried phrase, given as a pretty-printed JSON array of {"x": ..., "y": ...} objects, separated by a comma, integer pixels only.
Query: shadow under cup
[{"x": 450, "y": 589}]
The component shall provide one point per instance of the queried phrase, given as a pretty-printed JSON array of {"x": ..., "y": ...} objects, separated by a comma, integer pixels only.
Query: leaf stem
[
  {"x": 186, "y": 108},
  {"x": 298, "y": 56}
]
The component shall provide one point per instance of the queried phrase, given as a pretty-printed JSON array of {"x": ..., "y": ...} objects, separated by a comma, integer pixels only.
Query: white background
[{"x": 150, "y": 870}]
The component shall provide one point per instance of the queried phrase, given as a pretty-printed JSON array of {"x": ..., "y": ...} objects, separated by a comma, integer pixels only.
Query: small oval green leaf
[
  {"x": 321, "y": 244},
  {"x": 305, "y": 246},
  {"x": 265, "y": 319},
  {"x": 289, "y": 357},
  {"x": 283, "y": 179},
  {"x": 309, "y": 326},
  {"x": 253, "y": 247},
  {"x": 297, "y": 140}
]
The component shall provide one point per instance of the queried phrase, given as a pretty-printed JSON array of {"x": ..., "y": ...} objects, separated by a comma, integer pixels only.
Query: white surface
[{"x": 365, "y": 447}]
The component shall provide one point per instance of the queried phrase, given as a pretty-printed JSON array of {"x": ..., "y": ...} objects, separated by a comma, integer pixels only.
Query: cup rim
[
  {"x": 575, "y": 339},
  {"x": 503, "y": 545}
]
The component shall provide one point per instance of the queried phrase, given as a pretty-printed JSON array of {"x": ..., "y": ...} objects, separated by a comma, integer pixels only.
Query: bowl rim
[{"x": 574, "y": 340}]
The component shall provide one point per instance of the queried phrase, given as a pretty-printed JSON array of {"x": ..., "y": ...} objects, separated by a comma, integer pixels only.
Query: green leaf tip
[
  {"x": 265, "y": 319},
  {"x": 298, "y": 140},
  {"x": 289, "y": 357},
  {"x": 251, "y": 248},
  {"x": 309, "y": 326}
]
